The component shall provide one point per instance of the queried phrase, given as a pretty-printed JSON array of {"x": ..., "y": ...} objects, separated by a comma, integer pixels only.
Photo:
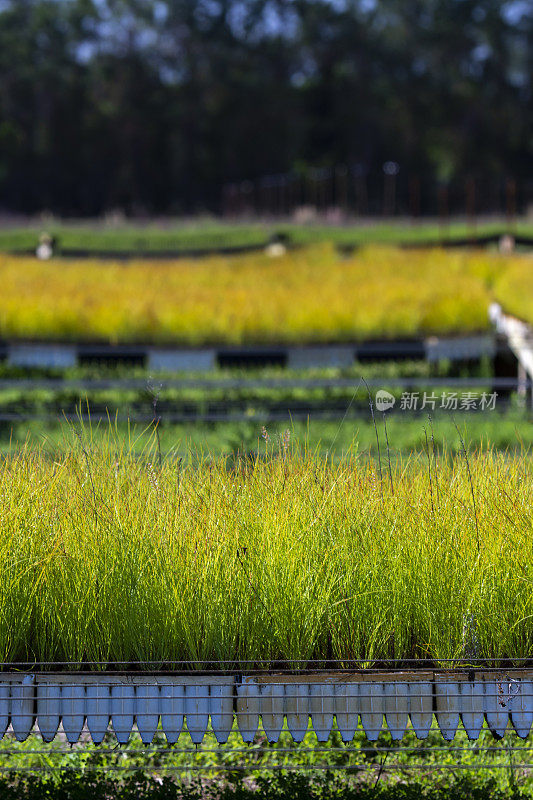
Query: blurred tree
[{"x": 152, "y": 105}]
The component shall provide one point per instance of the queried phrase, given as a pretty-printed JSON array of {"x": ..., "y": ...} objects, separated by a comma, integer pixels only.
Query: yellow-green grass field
[
  {"x": 308, "y": 295},
  {"x": 109, "y": 557},
  {"x": 514, "y": 289}
]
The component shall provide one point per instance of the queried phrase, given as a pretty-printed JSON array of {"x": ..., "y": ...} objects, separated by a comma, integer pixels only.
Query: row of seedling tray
[{"x": 93, "y": 702}]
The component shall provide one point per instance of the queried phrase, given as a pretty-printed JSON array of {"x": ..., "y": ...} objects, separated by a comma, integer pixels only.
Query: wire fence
[
  {"x": 267, "y": 666},
  {"x": 258, "y": 758},
  {"x": 244, "y": 384},
  {"x": 261, "y": 404},
  {"x": 400, "y": 668}
]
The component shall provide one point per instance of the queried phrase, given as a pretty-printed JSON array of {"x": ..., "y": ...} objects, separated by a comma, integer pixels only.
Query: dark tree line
[{"x": 155, "y": 105}]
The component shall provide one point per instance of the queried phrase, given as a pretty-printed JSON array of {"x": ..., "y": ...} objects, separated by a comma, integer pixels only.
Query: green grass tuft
[{"x": 106, "y": 557}]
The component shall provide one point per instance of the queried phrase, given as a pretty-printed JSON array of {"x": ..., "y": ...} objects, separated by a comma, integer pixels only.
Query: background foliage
[{"x": 153, "y": 106}]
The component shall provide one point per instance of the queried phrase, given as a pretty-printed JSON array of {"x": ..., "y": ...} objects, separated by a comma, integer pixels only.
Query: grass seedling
[
  {"x": 388, "y": 453},
  {"x": 429, "y": 473},
  {"x": 465, "y": 454},
  {"x": 371, "y": 404},
  {"x": 154, "y": 392},
  {"x": 435, "y": 457}
]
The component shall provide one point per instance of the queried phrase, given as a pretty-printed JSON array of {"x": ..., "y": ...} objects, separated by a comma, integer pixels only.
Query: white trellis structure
[{"x": 519, "y": 337}]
